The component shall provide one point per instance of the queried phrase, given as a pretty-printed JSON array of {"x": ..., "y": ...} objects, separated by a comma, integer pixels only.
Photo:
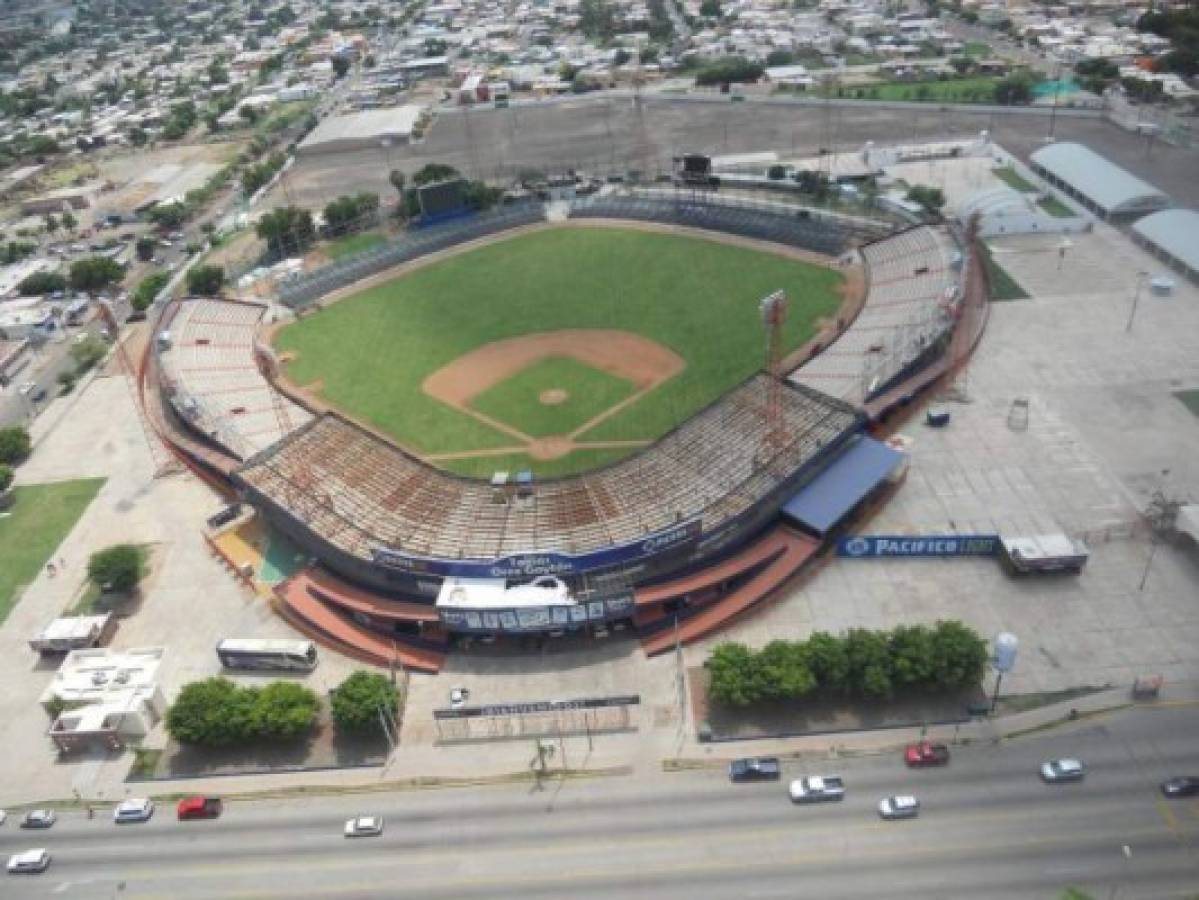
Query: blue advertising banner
[
  {"x": 875, "y": 546},
  {"x": 529, "y": 565}
]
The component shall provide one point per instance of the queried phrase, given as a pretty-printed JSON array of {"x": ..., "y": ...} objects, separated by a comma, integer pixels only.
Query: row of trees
[
  {"x": 729, "y": 70},
  {"x": 257, "y": 175},
  {"x": 92, "y": 274},
  {"x": 218, "y": 713},
  {"x": 351, "y": 213},
  {"x": 862, "y": 663}
]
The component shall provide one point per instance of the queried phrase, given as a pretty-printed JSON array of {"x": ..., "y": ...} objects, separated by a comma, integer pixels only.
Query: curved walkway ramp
[
  {"x": 301, "y": 604},
  {"x": 793, "y": 551},
  {"x": 913, "y": 288}
]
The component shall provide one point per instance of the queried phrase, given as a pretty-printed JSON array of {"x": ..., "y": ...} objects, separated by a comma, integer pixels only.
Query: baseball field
[{"x": 558, "y": 350}]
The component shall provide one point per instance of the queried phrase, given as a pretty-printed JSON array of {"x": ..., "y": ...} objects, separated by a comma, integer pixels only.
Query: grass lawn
[
  {"x": 1056, "y": 208},
  {"x": 516, "y": 401},
  {"x": 974, "y": 89},
  {"x": 1014, "y": 179},
  {"x": 33, "y": 527},
  {"x": 1189, "y": 399},
  {"x": 1003, "y": 286},
  {"x": 977, "y": 48},
  {"x": 353, "y": 244},
  {"x": 698, "y": 297}
]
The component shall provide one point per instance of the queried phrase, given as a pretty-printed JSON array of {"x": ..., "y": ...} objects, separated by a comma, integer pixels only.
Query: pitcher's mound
[{"x": 553, "y": 397}]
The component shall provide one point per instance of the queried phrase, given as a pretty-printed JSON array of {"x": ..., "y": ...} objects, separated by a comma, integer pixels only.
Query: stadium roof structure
[
  {"x": 1100, "y": 183},
  {"x": 366, "y": 497},
  {"x": 1175, "y": 232}
]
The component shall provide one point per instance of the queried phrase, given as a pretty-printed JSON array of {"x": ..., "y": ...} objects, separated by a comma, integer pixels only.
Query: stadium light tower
[{"x": 774, "y": 313}]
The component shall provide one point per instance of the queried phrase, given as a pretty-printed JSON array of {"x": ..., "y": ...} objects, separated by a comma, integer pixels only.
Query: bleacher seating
[
  {"x": 212, "y": 381},
  {"x": 912, "y": 290},
  {"x": 359, "y": 492}
]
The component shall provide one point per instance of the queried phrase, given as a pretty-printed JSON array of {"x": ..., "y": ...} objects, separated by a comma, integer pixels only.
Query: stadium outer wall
[{"x": 708, "y": 551}]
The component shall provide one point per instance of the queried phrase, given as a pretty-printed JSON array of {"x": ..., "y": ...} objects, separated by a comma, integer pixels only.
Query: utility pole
[{"x": 1136, "y": 299}]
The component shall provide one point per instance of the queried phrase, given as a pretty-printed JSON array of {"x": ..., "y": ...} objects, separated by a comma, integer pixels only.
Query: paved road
[
  {"x": 989, "y": 828},
  {"x": 44, "y": 367},
  {"x": 602, "y": 135}
]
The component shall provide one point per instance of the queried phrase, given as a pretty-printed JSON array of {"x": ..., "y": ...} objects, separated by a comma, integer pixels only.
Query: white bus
[{"x": 252, "y": 653}]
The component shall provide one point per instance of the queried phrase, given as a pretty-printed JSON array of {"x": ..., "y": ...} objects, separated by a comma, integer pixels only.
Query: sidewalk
[{"x": 641, "y": 753}]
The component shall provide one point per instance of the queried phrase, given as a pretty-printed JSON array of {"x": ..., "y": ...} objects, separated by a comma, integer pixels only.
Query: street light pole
[{"x": 1136, "y": 299}]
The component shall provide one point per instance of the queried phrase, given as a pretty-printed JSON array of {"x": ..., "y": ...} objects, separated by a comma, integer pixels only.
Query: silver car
[
  {"x": 902, "y": 807},
  {"x": 364, "y": 826},
  {"x": 1059, "y": 770},
  {"x": 30, "y": 861}
]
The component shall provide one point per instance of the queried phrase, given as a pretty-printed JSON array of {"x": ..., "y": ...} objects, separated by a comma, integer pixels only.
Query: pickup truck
[{"x": 816, "y": 788}]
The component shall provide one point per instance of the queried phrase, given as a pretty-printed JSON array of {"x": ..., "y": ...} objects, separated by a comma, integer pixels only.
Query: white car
[
  {"x": 30, "y": 861},
  {"x": 905, "y": 807},
  {"x": 1057, "y": 770},
  {"x": 133, "y": 810},
  {"x": 3, "y": 817},
  {"x": 364, "y": 826}
]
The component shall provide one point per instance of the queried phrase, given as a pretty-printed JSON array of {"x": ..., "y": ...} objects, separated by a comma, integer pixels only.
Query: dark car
[
  {"x": 755, "y": 768},
  {"x": 1181, "y": 786},
  {"x": 39, "y": 818}
]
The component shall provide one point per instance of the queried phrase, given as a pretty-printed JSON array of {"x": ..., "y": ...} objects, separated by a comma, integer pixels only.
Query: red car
[
  {"x": 199, "y": 807},
  {"x": 926, "y": 753}
]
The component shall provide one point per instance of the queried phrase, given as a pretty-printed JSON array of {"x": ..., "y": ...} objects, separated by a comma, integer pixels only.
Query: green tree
[
  {"x": 734, "y": 675},
  {"x": 87, "y": 353},
  {"x": 41, "y": 283},
  {"x": 148, "y": 289},
  {"x": 431, "y": 173},
  {"x": 283, "y": 710},
  {"x": 168, "y": 216},
  {"x": 51, "y": 223},
  {"x": 117, "y": 568},
  {"x": 6, "y": 477},
  {"x": 1015, "y": 90},
  {"x": 397, "y": 180},
  {"x": 213, "y": 712},
  {"x": 95, "y": 273},
  {"x": 69, "y": 221},
  {"x": 827, "y": 659},
  {"x": 341, "y": 65},
  {"x": 205, "y": 281},
  {"x": 14, "y": 445},
  {"x": 356, "y": 703},
  {"x": 287, "y": 230},
  {"x": 869, "y": 663},
  {"x": 783, "y": 671},
  {"x": 911, "y": 648},
  {"x": 959, "y": 655},
  {"x": 597, "y": 19},
  {"x": 710, "y": 8},
  {"x": 728, "y": 70},
  {"x": 930, "y": 198},
  {"x": 145, "y": 248},
  {"x": 351, "y": 213}
]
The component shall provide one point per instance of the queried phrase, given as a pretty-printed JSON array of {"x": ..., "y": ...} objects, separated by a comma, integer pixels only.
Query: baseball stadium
[{"x": 640, "y": 411}]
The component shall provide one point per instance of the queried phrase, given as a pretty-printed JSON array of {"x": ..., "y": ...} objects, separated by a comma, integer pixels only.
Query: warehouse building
[
  {"x": 1173, "y": 235},
  {"x": 1100, "y": 185}
]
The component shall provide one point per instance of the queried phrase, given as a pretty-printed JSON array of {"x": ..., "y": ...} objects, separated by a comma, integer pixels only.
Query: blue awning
[{"x": 827, "y": 498}]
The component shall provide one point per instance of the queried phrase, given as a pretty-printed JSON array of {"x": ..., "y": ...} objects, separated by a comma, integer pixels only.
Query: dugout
[{"x": 864, "y": 468}]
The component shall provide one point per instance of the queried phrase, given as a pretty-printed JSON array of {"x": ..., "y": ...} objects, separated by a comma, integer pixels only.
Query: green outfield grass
[
  {"x": 516, "y": 401},
  {"x": 699, "y": 298},
  {"x": 40, "y": 517},
  {"x": 353, "y": 244}
]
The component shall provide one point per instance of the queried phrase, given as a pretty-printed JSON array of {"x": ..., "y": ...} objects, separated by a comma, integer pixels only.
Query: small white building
[
  {"x": 73, "y": 633},
  {"x": 102, "y": 697}
]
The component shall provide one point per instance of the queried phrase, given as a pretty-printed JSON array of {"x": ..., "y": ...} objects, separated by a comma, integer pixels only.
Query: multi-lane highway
[{"x": 988, "y": 828}]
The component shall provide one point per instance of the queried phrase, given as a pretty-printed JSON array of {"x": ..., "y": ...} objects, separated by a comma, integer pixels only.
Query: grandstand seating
[
  {"x": 912, "y": 288},
  {"x": 213, "y": 383},
  {"x": 359, "y": 492},
  {"x": 304, "y": 290}
]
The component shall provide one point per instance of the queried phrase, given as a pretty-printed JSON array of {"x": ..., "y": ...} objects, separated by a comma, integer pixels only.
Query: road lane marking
[{"x": 573, "y": 876}]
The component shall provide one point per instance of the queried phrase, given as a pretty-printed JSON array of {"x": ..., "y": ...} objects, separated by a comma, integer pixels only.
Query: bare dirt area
[{"x": 630, "y": 356}]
